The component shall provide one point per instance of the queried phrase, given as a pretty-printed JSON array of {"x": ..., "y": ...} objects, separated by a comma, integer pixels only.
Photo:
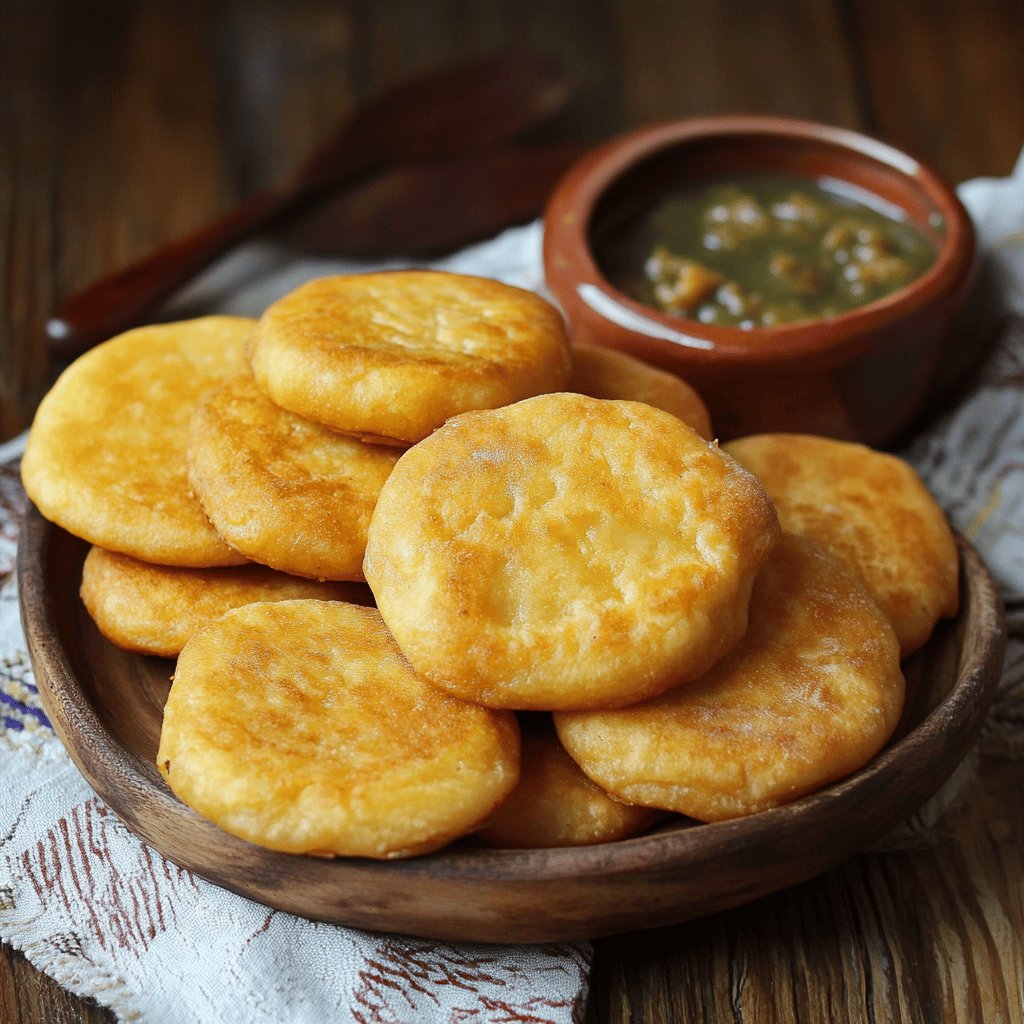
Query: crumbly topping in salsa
[{"x": 763, "y": 250}]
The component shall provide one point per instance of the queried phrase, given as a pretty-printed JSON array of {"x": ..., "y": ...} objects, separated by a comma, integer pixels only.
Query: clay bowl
[{"x": 863, "y": 375}]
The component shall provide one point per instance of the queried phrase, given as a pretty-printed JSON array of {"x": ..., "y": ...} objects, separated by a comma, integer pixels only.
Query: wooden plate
[{"x": 106, "y": 706}]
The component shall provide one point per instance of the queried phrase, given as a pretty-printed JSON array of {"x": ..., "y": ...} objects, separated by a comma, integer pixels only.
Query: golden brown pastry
[
  {"x": 811, "y": 693},
  {"x": 388, "y": 357},
  {"x": 297, "y": 725},
  {"x": 566, "y": 552},
  {"x": 106, "y": 456},
  {"x": 871, "y": 511},
  {"x": 281, "y": 490},
  {"x": 555, "y": 804},
  {"x": 154, "y": 609},
  {"x": 606, "y": 373}
]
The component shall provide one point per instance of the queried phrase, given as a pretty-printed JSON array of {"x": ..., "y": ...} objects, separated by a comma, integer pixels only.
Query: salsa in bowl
[
  {"x": 801, "y": 277},
  {"x": 761, "y": 249}
]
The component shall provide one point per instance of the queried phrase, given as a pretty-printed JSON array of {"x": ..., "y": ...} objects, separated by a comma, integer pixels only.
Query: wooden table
[{"x": 125, "y": 124}]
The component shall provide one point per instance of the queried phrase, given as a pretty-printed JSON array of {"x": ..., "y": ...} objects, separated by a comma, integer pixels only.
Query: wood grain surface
[{"x": 123, "y": 125}]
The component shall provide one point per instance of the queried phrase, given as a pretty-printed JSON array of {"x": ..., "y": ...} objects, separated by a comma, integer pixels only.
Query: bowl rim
[{"x": 571, "y": 207}]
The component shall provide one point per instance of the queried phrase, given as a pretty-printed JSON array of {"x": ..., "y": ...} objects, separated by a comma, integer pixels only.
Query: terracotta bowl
[{"x": 863, "y": 375}]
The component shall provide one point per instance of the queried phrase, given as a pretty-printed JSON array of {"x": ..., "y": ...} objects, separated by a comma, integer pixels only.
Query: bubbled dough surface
[
  {"x": 810, "y": 694},
  {"x": 298, "y": 726},
  {"x": 555, "y": 804},
  {"x": 606, "y": 373},
  {"x": 282, "y": 490},
  {"x": 566, "y": 552},
  {"x": 106, "y": 456},
  {"x": 393, "y": 355},
  {"x": 870, "y": 510},
  {"x": 154, "y": 609}
]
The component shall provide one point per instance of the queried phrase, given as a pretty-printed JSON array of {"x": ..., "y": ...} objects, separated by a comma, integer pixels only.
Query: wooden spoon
[
  {"x": 458, "y": 110},
  {"x": 426, "y": 209}
]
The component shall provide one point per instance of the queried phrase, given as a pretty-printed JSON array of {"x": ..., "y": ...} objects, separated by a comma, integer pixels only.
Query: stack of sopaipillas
[{"x": 430, "y": 573}]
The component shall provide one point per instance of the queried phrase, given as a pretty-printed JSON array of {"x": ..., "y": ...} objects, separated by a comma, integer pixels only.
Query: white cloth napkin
[{"x": 108, "y": 917}]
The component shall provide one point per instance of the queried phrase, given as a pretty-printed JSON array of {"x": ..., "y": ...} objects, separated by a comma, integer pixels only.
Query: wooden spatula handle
[{"x": 125, "y": 297}]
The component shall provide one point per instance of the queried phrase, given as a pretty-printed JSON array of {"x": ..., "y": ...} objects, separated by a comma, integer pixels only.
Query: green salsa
[{"x": 760, "y": 250}]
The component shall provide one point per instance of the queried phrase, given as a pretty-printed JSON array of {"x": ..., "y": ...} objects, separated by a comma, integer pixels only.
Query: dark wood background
[{"x": 124, "y": 124}]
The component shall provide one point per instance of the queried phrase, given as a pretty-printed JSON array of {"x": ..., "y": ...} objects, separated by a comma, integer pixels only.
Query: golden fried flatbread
[
  {"x": 298, "y": 726},
  {"x": 606, "y": 373},
  {"x": 871, "y": 511},
  {"x": 555, "y": 804},
  {"x": 566, "y": 552},
  {"x": 390, "y": 356},
  {"x": 281, "y": 490},
  {"x": 810, "y": 694},
  {"x": 106, "y": 453},
  {"x": 154, "y": 609}
]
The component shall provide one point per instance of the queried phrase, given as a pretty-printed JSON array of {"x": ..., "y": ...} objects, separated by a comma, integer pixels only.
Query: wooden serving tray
[{"x": 106, "y": 706}]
